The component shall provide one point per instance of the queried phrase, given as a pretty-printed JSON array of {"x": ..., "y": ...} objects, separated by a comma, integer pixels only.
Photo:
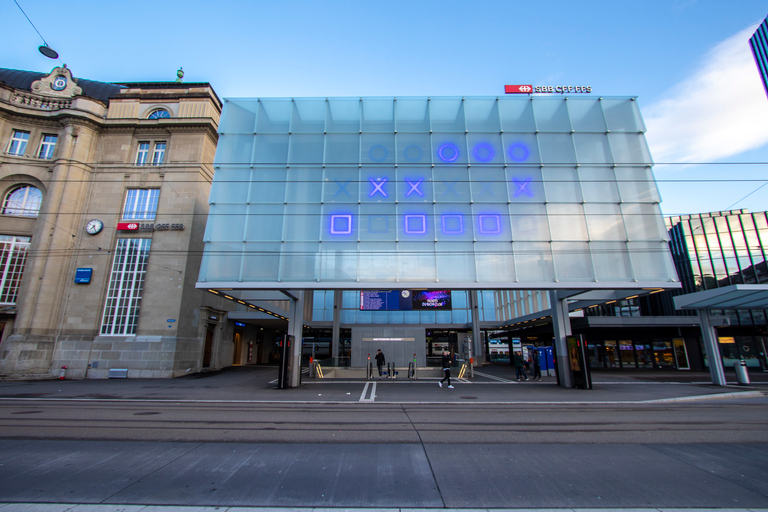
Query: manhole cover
[
  {"x": 148, "y": 413},
  {"x": 469, "y": 397}
]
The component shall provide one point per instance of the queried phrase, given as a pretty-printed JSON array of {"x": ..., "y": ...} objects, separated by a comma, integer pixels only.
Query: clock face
[
  {"x": 94, "y": 226},
  {"x": 405, "y": 294},
  {"x": 159, "y": 114},
  {"x": 59, "y": 83}
]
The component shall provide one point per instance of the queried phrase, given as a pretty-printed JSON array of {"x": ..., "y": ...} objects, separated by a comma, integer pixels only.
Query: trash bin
[{"x": 741, "y": 372}]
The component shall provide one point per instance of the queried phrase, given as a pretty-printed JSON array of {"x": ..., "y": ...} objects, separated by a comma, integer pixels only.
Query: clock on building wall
[
  {"x": 160, "y": 113},
  {"x": 405, "y": 294},
  {"x": 59, "y": 83},
  {"x": 94, "y": 226}
]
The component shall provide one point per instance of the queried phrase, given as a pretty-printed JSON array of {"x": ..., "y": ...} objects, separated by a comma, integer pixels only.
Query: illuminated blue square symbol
[
  {"x": 453, "y": 224},
  {"x": 416, "y": 224},
  {"x": 341, "y": 224},
  {"x": 378, "y": 224},
  {"x": 489, "y": 224}
]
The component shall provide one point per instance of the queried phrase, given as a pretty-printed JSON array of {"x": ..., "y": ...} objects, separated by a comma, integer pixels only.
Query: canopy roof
[{"x": 737, "y": 296}]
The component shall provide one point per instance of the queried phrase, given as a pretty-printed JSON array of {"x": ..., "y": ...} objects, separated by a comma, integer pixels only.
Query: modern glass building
[
  {"x": 711, "y": 251},
  {"x": 476, "y": 196},
  {"x": 759, "y": 44}
]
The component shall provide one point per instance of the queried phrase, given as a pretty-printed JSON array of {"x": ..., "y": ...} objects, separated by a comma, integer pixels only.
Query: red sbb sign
[
  {"x": 127, "y": 226},
  {"x": 518, "y": 89}
]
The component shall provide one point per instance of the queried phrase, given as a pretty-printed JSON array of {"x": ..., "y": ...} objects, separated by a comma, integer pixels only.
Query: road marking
[
  {"x": 365, "y": 392},
  {"x": 492, "y": 377}
]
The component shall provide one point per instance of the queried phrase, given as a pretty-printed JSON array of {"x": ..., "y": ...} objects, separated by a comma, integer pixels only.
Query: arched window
[
  {"x": 23, "y": 201},
  {"x": 160, "y": 113}
]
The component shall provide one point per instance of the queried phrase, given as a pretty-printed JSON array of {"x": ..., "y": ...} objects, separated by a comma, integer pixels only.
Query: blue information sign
[{"x": 83, "y": 275}]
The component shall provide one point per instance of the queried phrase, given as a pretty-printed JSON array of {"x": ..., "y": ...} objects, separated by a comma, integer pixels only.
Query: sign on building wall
[{"x": 434, "y": 193}]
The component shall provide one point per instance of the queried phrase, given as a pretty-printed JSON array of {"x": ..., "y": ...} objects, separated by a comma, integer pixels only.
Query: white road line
[
  {"x": 492, "y": 377},
  {"x": 365, "y": 392}
]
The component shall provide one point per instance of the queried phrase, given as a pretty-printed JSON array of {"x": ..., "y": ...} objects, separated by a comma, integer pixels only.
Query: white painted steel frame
[
  {"x": 13, "y": 257},
  {"x": 141, "y": 203},
  {"x": 129, "y": 269}
]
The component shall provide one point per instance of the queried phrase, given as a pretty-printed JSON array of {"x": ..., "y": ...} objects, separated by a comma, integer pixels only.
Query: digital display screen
[
  {"x": 384, "y": 300},
  {"x": 431, "y": 299}
]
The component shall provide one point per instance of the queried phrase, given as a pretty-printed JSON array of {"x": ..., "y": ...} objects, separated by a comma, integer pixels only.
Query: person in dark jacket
[
  {"x": 380, "y": 361},
  {"x": 520, "y": 366},
  {"x": 446, "y": 362},
  {"x": 536, "y": 366}
]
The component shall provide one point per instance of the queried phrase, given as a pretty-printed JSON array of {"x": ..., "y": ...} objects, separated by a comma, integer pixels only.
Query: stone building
[{"x": 104, "y": 203}]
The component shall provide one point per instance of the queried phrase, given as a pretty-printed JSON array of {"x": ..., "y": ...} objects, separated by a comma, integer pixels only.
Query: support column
[
  {"x": 336, "y": 330},
  {"x": 561, "y": 323},
  {"x": 295, "y": 329},
  {"x": 478, "y": 351},
  {"x": 709, "y": 336}
]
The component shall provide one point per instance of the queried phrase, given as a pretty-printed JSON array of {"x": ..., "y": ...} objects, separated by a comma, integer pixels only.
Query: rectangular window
[
  {"x": 142, "y": 154},
  {"x": 159, "y": 154},
  {"x": 18, "y": 143},
  {"x": 126, "y": 283},
  {"x": 13, "y": 256},
  {"x": 47, "y": 145},
  {"x": 141, "y": 204}
]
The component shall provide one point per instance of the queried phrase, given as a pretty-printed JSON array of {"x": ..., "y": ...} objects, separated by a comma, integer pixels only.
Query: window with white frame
[
  {"x": 23, "y": 201},
  {"x": 142, "y": 154},
  {"x": 47, "y": 145},
  {"x": 141, "y": 204},
  {"x": 159, "y": 154},
  {"x": 13, "y": 256},
  {"x": 126, "y": 284},
  {"x": 18, "y": 143}
]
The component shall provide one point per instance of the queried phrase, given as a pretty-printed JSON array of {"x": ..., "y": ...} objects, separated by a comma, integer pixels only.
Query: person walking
[
  {"x": 520, "y": 366},
  {"x": 380, "y": 361},
  {"x": 536, "y": 366},
  {"x": 446, "y": 362}
]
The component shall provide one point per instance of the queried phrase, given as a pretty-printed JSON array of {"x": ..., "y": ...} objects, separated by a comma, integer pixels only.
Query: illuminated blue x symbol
[
  {"x": 449, "y": 188},
  {"x": 522, "y": 186},
  {"x": 377, "y": 187},
  {"x": 342, "y": 188},
  {"x": 487, "y": 189},
  {"x": 414, "y": 187}
]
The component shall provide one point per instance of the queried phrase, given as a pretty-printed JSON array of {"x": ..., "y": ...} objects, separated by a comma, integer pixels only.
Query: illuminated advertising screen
[
  {"x": 431, "y": 299},
  {"x": 385, "y": 300}
]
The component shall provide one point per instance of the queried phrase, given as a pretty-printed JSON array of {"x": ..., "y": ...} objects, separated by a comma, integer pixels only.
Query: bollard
[
  {"x": 742, "y": 376},
  {"x": 62, "y": 372}
]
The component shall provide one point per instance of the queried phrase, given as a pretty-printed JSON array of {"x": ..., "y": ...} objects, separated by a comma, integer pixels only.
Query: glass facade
[
  {"x": 759, "y": 44},
  {"x": 718, "y": 249},
  {"x": 466, "y": 193}
]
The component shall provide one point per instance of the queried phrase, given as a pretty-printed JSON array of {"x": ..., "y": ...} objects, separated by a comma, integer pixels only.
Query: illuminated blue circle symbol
[
  {"x": 378, "y": 153},
  {"x": 519, "y": 152},
  {"x": 448, "y": 153},
  {"x": 413, "y": 153},
  {"x": 483, "y": 152}
]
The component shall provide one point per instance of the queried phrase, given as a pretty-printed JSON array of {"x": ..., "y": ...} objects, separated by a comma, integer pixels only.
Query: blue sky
[{"x": 687, "y": 61}]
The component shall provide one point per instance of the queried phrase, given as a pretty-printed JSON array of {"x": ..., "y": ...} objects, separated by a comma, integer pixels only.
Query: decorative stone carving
[{"x": 59, "y": 84}]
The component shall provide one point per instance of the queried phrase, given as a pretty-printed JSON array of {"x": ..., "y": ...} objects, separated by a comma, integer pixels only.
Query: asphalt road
[{"x": 485, "y": 444}]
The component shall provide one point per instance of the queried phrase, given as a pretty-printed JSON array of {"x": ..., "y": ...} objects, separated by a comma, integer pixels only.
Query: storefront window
[
  {"x": 681, "y": 355},
  {"x": 644, "y": 356},
  {"x": 626, "y": 350},
  {"x": 611, "y": 358},
  {"x": 662, "y": 353}
]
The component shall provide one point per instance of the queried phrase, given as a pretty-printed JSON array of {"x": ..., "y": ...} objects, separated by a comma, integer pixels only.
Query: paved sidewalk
[
  {"x": 36, "y": 507},
  {"x": 491, "y": 384}
]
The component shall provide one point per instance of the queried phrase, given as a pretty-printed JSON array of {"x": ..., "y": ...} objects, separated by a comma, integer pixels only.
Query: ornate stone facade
[{"x": 74, "y": 153}]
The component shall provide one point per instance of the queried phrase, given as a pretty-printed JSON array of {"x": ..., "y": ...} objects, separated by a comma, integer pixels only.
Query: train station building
[{"x": 410, "y": 223}]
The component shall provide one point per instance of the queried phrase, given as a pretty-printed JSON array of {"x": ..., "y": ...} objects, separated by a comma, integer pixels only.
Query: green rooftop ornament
[{"x": 180, "y": 75}]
